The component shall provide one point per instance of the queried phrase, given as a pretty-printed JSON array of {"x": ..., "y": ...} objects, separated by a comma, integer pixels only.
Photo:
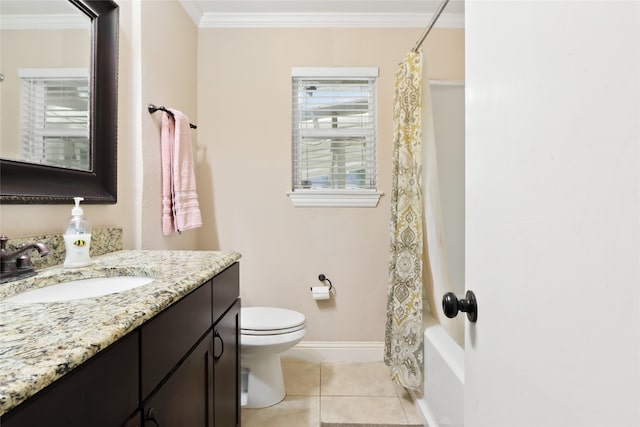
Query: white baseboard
[{"x": 336, "y": 351}]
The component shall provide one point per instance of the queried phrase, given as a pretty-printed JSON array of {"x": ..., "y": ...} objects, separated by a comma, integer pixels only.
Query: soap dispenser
[{"x": 77, "y": 238}]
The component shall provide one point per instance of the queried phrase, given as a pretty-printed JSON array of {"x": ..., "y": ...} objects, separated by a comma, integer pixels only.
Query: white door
[{"x": 552, "y": 213}]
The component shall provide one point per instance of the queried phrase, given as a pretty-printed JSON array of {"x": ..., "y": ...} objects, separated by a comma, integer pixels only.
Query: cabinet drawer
[
  {"x": 226, "y": 290},
  {"x": 170, "y": 335}
]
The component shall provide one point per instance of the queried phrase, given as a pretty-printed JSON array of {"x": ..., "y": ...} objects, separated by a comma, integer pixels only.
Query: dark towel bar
[{"x": 153, "y": 108}]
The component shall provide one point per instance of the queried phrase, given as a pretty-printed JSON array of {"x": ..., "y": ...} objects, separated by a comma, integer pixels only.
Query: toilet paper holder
[
  {"x": 322, "y": 292},
  {"x": 323, "y": 278}
]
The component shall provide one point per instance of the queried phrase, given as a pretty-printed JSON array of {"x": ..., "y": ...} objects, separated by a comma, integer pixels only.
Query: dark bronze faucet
[{"x": 17, "y": 264}]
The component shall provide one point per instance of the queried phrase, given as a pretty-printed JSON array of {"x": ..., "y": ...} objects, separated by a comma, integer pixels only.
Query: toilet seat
[{"x": 270, "y": 321}]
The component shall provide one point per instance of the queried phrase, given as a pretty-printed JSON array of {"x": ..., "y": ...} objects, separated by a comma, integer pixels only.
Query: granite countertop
[{"x": 40, "y": 342}]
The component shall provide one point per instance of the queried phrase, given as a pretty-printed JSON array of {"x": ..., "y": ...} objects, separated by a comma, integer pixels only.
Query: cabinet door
[
  {"x": 185, "y": 399},
  {"x": 167, "y": 338},
  {"x": 226, "y": 368},
  {"x": 134, "y": 421}
]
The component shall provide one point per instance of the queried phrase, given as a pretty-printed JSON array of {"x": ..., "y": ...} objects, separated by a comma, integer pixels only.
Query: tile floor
[{"x": 336, "y": 394}]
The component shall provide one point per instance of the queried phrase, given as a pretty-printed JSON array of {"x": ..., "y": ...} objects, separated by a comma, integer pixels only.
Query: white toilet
[{"x": 265, "y": 332}]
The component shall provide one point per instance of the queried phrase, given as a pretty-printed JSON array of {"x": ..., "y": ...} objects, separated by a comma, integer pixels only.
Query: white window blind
[
  {"x": 55, "y": 117},
  {"x": 334, "y": 129}
]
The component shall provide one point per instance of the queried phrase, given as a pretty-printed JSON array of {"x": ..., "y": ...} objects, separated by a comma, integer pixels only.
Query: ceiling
[{"x": 305, "y": 13}]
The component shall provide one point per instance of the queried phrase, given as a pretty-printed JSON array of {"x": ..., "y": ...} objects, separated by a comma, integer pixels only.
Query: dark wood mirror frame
[{"x": 29, "y": 183}]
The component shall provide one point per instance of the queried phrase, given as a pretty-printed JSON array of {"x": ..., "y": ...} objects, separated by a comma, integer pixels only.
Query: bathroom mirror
[{"x": 94, "y": 178}]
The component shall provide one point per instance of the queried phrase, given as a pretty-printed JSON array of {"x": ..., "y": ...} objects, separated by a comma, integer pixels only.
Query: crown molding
[{"x": 326, "y": 20}]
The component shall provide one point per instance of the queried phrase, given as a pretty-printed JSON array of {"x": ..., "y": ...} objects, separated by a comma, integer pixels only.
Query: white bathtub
[{"x": 442, "y": 404}]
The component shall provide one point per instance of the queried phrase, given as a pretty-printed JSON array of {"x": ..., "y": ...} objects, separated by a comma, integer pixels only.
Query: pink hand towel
[
  {"x": 166, "y": 144},
  {"x": 180, "y": 207}
]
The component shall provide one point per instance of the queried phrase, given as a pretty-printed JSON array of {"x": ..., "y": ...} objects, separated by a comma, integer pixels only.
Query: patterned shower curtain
[{"x": 403, "y": 335}]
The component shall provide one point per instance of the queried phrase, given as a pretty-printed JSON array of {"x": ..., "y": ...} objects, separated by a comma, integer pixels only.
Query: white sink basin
[{"x": 79, "y": 289}]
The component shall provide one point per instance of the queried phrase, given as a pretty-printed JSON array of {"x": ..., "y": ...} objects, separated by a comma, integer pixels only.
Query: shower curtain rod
[{"x": 431, "y": 24}]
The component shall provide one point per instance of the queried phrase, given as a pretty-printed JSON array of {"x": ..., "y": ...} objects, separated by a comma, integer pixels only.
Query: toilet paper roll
[{"x": 320, "y": 292}]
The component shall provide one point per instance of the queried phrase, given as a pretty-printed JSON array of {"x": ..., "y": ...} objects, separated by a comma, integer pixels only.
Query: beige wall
[
  {"x": 157, "y": 64},
  {"x": 235, "y": 84},
  {"x": 169, "y": 41},
  {"x": 244, "y": 106}
]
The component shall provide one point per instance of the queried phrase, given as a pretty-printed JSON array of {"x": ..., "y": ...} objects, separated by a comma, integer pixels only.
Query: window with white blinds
[
  {"x": 55, "y": 117},
  {"x": 334, "y": 131}
]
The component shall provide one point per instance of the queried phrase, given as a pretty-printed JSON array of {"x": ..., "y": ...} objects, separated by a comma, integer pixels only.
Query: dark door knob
[{"x": 451, "y": 305}]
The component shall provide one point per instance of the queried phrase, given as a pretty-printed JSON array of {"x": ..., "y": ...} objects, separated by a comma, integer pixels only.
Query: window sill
[{"x": 335, "y": 198}]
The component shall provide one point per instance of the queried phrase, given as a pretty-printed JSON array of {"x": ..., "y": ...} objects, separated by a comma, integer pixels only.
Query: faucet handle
[{"x": 3, "y": 242}]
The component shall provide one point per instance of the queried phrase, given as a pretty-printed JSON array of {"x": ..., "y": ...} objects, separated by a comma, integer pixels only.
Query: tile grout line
[
  {"x": 320, "y": 395},
  {"x": 404, "y": 411},
  {"x": 397, "y": 388}
]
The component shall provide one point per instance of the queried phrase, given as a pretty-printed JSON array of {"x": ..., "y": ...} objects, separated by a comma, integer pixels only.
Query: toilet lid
[{"x": 270, "y": 320}]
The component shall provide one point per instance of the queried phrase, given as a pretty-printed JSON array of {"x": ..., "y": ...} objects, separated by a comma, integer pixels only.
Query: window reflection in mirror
[{"x": 45, "y": 56}]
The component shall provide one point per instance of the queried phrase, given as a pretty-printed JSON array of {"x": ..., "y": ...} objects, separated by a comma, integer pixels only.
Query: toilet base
[{"x": 265, "y": 383}]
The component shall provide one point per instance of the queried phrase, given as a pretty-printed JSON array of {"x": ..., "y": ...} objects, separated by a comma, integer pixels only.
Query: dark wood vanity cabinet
[
  {"x": 190, "y": 358},
  {"x": 103, "y": 392},
  {"x": 179, "y": 369},
  {"x": 167, "y": 338},
  {"x": 203, "y": 389}
]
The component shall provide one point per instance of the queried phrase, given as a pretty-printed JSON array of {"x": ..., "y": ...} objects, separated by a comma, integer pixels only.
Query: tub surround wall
[
  {"x": 44, "y": 341},
  {"x": 447, "y": 102}
]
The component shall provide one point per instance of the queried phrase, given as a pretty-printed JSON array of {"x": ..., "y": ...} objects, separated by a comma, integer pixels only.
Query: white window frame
[
  {"x": 33, "y": 131},
  {"x": 357, "y": 197}
]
